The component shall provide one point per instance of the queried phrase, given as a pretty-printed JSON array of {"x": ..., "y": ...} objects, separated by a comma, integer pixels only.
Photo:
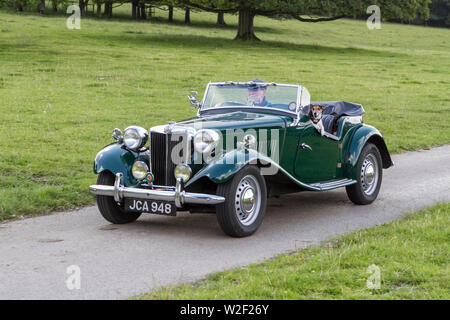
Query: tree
[
  {"x": 314, "y": 10},
  {"x": 187, "y": 16},
  {"x": 108, "y": 8},
  {"x": 41, "y": 7},
  {"x": 170, "y": 13},
  {"x": 134, "y": 6},
  {"x": 83, "y": 5},
  {"x": 220, "y": 19},
  {"x": 440, "y": 13}
]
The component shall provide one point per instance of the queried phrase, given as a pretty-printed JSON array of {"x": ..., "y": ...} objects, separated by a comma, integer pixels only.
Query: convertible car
[{"x": 249, "y": 141}]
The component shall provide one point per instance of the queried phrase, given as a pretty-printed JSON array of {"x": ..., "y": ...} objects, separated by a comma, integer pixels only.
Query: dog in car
[{"x": 315, "y": 115}]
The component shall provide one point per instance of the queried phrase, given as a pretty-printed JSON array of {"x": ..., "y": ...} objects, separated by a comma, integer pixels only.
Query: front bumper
[{"x": 172, "y": 194}]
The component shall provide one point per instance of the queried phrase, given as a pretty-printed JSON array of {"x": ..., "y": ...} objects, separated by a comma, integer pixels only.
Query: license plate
[{"x": 151, "y": 206}]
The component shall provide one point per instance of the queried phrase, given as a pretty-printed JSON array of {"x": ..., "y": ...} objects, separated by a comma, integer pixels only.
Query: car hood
[{"x": 236, "y": 120}]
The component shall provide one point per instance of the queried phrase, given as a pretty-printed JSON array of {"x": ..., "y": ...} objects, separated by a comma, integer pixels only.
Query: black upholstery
[
  {"x": 341, "y": 108},
  {"x": 328, "y": 122},
  {"x": 334, "y": 110}
]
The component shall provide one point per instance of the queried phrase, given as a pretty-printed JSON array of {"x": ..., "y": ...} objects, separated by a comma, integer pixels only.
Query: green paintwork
[
  {"x": 363, "y": 135},
  {"x": 329, "y": 159},
  {"x": 116, "y": 158},
  {"x": 236, "y": 120},
  {"x": 223, "y": 168}
]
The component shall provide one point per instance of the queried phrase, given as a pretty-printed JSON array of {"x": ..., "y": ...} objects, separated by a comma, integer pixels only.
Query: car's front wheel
[
  {"x": 245, "y": 203},
  {"x": 109, "y": 208},
  {"x": 369, "y": 176}
]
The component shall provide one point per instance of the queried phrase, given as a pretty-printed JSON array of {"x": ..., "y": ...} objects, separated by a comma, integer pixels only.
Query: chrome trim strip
[
  {"x": 334, "y": 183},
  {"x": 177, "y": 195},
  {"x": 117, "y": 192}
]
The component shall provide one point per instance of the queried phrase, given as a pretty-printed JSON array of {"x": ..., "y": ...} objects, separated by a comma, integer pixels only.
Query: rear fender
[{"x": 365, "y": 134}]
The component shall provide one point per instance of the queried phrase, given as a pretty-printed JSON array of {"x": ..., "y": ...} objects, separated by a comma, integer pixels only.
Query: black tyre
[
  {"x": 109, "y": 209},
  {"x": 245, "y": 203},
  {"x": 369, "y": 176}
]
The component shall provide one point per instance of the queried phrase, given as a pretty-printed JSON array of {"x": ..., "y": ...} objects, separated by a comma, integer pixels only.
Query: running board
[{"x": 332, "y": 184}]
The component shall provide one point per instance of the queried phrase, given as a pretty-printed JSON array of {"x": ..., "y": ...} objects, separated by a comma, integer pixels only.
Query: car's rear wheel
[
  {"x": 109, "y": 208},
  {"x": 245, "y": 203},
  {"x": 369, "y": 176}
]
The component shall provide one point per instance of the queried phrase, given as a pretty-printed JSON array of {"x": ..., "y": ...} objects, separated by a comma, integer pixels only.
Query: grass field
[
  {"x": 412, "y": 256},
  {"x": 63, "y": 91}
]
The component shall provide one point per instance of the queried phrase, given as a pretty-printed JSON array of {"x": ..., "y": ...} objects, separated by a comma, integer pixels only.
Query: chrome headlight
[
  {"x": 139, "y": 170},
  {"x": 183, "y": 171},
  {"x": 135, "y": 137},
  {"x": 206, "y": 140}
]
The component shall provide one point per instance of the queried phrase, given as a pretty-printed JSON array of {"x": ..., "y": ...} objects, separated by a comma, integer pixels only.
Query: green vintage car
[{"x": 249, "y": 141}]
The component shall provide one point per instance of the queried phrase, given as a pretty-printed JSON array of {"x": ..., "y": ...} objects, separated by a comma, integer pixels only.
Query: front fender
[
  {"x": 116, "y": 159},
  {"x": 225, "y": 167},
  {"x": 365, "y": 134}
]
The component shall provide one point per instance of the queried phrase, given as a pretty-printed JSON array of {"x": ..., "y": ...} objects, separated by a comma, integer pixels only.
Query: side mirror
[{"x": 194, "y": 100}]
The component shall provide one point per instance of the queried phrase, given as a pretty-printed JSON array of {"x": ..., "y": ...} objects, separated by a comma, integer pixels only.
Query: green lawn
[
  {"x": 63, "y": 91},
  {"x": 412, "y": 255}
]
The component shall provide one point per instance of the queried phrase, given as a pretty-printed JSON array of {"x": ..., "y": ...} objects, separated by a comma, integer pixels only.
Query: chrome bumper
[{"x": 177, "y": 194}]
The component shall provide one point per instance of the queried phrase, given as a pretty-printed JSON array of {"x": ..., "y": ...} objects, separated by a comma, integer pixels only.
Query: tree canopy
[
  {"x": 308, "y": 10},
  {"x": 302, "y": 10}
]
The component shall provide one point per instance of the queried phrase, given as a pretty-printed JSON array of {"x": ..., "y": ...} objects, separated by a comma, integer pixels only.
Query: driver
[{"x": 257, "y": 94}]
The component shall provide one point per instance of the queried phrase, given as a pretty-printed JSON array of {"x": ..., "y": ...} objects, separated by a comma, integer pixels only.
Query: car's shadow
[{"x": 282, "y": 213}]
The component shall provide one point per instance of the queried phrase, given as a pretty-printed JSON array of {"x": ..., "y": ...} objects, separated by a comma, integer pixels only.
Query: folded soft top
[{"x": 341, "y": 108}]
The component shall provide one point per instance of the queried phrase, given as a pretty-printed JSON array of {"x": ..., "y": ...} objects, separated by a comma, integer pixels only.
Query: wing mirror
[{"x": 193, "y": 99}]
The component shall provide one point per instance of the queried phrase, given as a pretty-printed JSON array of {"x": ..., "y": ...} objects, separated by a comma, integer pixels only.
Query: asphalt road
[{"x": 120, "y": 261}]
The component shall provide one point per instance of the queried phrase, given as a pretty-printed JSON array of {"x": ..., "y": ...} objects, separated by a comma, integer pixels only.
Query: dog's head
[{"x": 315, "y": 112}]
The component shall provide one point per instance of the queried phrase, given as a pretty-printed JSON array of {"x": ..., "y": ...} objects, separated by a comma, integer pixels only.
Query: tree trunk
[
  {"x": 99, "y": 10},
  {"x": 134, "y": 8},
  {"x": 55, "y": 5},
  {"x": 19, "y": 6},
  {"x": 143, "y": 13},
  {"x": 81, "y": 5},
  {"x": 138, "y": 11},
  {"x": 187, "y": 16},
  {"x": 245, "y": 27},
  {"x": 170, "y": 13},
  {"x": 108, "y": 10},
  {"x": 220, "y": 19},
  {"x": 150, "y": 12},
  {"x": 41, "y": 7}
]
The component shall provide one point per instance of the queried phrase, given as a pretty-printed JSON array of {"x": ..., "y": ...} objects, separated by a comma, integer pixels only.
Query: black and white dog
[{"x": 315, "y": 114}]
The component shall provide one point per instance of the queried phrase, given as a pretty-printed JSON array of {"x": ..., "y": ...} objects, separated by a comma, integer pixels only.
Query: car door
[{"x": 317, "y": 156}]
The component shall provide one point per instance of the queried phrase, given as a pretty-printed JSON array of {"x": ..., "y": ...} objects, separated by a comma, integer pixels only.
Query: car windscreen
[{"x": 276, "y": 97}]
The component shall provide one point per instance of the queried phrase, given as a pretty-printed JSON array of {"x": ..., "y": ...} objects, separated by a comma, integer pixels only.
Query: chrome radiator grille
[{"x": 162, "y": 166}]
